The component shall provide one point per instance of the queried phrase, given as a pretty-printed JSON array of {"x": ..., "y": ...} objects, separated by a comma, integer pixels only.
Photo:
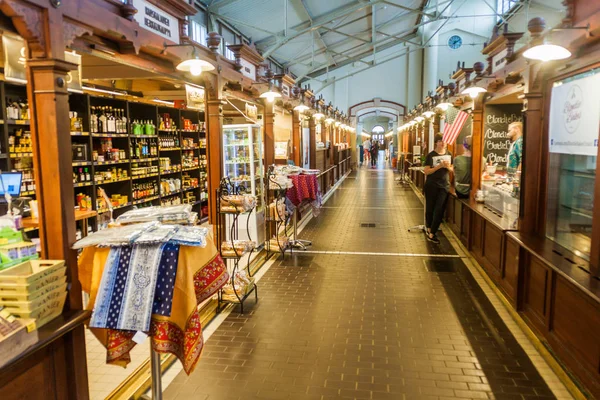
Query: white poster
[
  {"x": 575, "y": 116},
  {"x": 306, "y": 148},
  {"x": 194, "y": 97},
  {"x": 156, "y": 20}
]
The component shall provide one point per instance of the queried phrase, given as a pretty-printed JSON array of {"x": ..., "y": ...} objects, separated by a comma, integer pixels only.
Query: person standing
[
  {"x": 374, "y": 153},
  {"x": 367, "y": 149},
  {"x": 438, "y": 164},
  {"x": 515, "y": 153}
]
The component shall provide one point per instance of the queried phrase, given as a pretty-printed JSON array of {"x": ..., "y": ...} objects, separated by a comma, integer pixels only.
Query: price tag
[{"x": 140, "y": 337}]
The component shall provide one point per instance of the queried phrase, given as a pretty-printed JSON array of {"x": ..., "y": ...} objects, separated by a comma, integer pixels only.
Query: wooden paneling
[
  {"x": 510, "y": 273},
  {"x": 575, "y": 329},
  {"x": 492, "y": 250},
  {"x": 477, "y": 235},
  {"x": 465, "y": 225},
  {"x": 535, "y": 292}
]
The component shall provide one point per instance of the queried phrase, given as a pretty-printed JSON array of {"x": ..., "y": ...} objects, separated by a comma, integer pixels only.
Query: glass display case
[{"x": 243, "y": 164}]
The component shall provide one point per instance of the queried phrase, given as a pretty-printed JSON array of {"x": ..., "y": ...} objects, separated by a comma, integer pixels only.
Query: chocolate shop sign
[
  {"x": 495, "y": 140},
  {"x": 156, "y": 20}
]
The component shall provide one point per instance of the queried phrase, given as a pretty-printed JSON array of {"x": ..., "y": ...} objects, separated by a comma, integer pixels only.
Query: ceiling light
[
  {"x": 443, "y": 106},
  {"x": 547, "y": 52},
  {"x": 473, "y": 91},
  {"x": 419, "y": 119},
  {"x": 301, "y": 108},
  {"x": 428, "y": 114},
  {"x": 317, "y": 116},
  {"x": 270, "y": 95},
  {"x": 195, "y": 66}
]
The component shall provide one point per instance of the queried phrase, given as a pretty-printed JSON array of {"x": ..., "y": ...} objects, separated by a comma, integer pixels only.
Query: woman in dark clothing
[
  {"x": 374, "y": 153},
  {"x": 437, "y": 167}
]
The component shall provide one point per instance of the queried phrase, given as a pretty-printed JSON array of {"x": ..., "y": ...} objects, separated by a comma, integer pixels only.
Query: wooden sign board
[{"x": 495, "y": 131}]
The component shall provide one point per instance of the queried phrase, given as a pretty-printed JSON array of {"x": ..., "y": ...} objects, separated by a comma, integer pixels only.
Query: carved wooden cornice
[
  {"x": 501, "y": 50},
  {"x": 248, "y": 53}
]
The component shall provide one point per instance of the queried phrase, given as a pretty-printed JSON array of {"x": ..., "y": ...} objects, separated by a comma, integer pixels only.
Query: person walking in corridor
[
  {"x": 438, "y": 164},
  {"x": 367, "y": 149},
  {"x": 374, "y": 153}
]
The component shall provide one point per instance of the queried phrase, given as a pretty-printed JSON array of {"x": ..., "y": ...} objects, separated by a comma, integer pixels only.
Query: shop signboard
[
  {"x": 306, "y": 147},
  {"x": 248, "y": 69},
  {"x": 194, "y": 97},
  {"x": 496, "y": 142},
  {"x": 14, "y": 59},
  {"x": 156, "y": 20},
  {"x": 499, "y": 60},
  {"x": 251, "y": 111},
  {"x": 575, "y": 115}
]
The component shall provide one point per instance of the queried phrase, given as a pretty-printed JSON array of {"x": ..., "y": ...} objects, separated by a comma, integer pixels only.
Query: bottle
[
  {"x": 124, "y": 121},
  {"x": 81, "y": 175},
  {"x": 102, "y": 119},
  {"x": 112, "y": 126},
  {"x": 87, "y": 176}
]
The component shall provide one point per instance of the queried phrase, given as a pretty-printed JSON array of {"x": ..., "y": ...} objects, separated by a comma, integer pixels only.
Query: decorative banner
[
  {"x": 574, "y": 115},
  {"x": 156, "y": 20},
  {"x": 74, "y": 77},
  {"x": 281, "y": 150},
  {"x": 495, "y": 131},
  {"x": 14, "y": 59},
  {"x": 194, "y": 97},
  {"x": 306, "y": 148},
  {"x": 251, "y": 111}
]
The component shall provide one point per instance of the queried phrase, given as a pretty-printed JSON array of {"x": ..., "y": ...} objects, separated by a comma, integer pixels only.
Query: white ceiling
[{"x": 309, "y": 36}]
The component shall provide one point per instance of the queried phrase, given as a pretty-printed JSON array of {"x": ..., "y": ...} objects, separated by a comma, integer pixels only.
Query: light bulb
[
  {"x": 195, "y": 70},
  {"x": 547, "y": 52}
]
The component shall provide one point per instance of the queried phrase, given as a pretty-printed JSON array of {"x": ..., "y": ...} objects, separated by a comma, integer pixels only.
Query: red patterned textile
[
  {"x": 201, "y": 273},
  {"x": 306, "y": 187}
]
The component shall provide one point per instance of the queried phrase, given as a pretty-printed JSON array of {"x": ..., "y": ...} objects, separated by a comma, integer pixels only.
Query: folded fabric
[
  {"x": 165, "y": 283},
  {"x": 190, "y": 236},
  {"x": 105, "y": 292}
]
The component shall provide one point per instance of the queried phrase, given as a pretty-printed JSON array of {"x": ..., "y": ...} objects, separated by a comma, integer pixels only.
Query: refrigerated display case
[{"x": 243, "y": 164}]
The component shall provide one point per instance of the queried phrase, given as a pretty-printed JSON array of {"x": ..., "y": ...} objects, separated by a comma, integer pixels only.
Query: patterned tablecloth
[
  {"x": 200, "y": 273},
  {"x": 306, "y": 188}
]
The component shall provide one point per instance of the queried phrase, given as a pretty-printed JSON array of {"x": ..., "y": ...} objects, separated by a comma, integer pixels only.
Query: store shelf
[
  {"x": 82, "y": 184},
  {"x": 189, "y": 188},
  {"x": 109, "y": 182},
  {"x": 4, "y": 155},
  {"x": 110, "y": 135},
  {"x": 167, "y": 131},
  {"x": 105, "y": 210},
  {"x": 189, "y": 169},
  {"x": 144, "y": 176},
  {"x": 144, "y": 159},
  {"x": 111, "y": 162},
  {"x": 169, "y": 149},
  {"x": 142, "y": 136},
  {"x": 184, "y": 131},
  {"x": 81, "y": 163},
  {"x": 190, "y": 148},
  {"x": 145, "y": 200},
  {"x": 28, "y": 193},
  {"x": 171, "y": 193},
  {"x": 169, "y": 171},
  {"x": 21, "y": 155},
  {"x": 17, "y": 122},
  {"x": 239, "y": 162},
  {"x": 80, "y": 134},
  {"x": 237, "y": 145}
]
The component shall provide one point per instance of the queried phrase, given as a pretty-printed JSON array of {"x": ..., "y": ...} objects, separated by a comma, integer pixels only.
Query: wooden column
[
  {"x": 214, "y": 146},
  {"x": 296, "y": 138},
  {"x": 477, "y": 145},
  {"x": 269, "y": 133},
  {"x": 312, "y": 126}
]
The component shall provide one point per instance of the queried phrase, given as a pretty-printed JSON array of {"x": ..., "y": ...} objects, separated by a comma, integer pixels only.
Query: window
[
  {"x": 228, "y": 39},
  {"x": 573, "y": 139},
  {"x": 198, "y": 33},
  {"x": 377, "y": 129},
  {"x": 504, "y": 6}
]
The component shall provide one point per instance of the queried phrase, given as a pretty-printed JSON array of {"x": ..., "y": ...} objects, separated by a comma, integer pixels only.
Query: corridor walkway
[{"x": 371, "y": 311}]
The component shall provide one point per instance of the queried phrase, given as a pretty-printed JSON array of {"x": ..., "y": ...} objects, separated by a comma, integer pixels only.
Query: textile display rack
[
  {"x": 402, "y": 179},
  {"x": 146, "y": 276},
  {"x": 305, "y": 190},
  {"x": 277, "y": 213},
  {"x": 231, "y": 205}
]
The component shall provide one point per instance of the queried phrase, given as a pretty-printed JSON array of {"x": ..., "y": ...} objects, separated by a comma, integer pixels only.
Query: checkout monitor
[{"x": 10, "y": 182}]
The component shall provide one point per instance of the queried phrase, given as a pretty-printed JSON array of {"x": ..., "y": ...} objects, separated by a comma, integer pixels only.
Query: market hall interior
[{"x": 227, "y": 199}]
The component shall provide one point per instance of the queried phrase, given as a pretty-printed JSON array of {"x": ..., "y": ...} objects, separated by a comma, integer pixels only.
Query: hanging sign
[
  {"x": 14, "y": 59},
  {"x": 156, "y": 20},
  {"x": 251, "y": 111},
  {"x": 194, "y": 97},
  {"x": 74, "y": 76},
  {"x": 574, "y": 116},
  {"x": 496, "y": 142},
  {"x": 248, "y": 69}
]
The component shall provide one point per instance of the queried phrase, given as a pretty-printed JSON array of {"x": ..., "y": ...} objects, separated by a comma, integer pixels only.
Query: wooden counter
[{"x": 31, "y": 222}]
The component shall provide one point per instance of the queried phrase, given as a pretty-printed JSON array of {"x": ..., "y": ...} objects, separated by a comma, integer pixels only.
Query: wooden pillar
[
  {"x": 269, "y": 133},
  {"x": 296, "y": 138},
  {"x": 214, "y": 146},
  {"x": 532, "y": 215},
  {"x": 312, "y": 126},
  {"x": 477, "y": 145}
]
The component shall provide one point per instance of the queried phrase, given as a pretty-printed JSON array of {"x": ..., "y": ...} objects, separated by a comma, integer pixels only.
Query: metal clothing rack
[{"x": 227, "y": 188}]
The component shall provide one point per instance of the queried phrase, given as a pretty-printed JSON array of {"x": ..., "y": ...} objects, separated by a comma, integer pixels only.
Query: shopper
[
  {"x": 438, "y": 164},
  {"x": 374, "y": 153},
  {"x": 367, "y": 148},
  {"x": 462, "y": 170},
  {"x": 515, "y": 153}
]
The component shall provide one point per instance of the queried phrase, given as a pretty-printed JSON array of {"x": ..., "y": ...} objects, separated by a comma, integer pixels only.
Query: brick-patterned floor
[{"x": 365, "y": 326}]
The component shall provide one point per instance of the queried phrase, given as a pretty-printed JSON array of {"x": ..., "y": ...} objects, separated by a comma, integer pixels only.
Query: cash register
[{"x": 10, "y": 190}]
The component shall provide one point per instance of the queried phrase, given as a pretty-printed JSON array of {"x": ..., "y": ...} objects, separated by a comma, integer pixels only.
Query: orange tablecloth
[{"x": 200, "y": 273}]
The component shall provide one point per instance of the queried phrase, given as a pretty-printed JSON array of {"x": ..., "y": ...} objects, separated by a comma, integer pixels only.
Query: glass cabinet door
[{"x": 236, "y": 157}]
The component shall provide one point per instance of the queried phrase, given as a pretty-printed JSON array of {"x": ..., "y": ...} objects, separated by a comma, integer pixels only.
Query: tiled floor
[{"x": 409, "y": 321}]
